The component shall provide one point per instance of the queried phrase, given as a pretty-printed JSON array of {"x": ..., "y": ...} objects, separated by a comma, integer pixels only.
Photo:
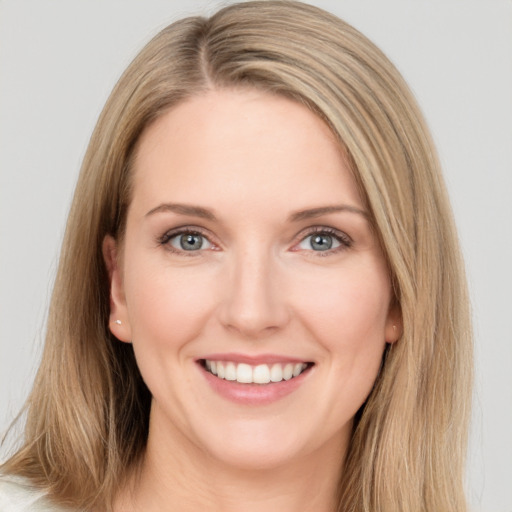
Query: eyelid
[
  {"x": 182, "y": 230},
  {"x": 344, "y": 239}
]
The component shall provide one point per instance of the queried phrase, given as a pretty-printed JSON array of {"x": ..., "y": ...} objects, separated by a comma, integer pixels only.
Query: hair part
[{"x": 408, "y": 446}]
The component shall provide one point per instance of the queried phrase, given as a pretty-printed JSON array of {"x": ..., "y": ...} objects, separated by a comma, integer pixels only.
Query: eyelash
[
  {"x": 184, "y": 230},
  {"x": 342, "y": 238}
]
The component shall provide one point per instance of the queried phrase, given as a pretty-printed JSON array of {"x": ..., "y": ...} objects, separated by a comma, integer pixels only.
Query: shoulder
[{"x": 18, "y": 495}]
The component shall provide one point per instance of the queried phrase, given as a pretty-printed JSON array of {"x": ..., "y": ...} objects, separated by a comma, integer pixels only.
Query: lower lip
[{"x": 253, "y": 394}]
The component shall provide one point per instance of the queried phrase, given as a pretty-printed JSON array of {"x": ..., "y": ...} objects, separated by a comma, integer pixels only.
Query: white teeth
[
  {"x": 276, "y": 373},
  {"x": 244, "y": 373},
  {"x": 297, "y": 369},
  {"x": 230, "y": 371},
  {"x": 260, "y": 374}
]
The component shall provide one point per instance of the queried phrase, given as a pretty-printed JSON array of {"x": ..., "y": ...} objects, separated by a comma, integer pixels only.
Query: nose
[{"x": 254, "y": 302}]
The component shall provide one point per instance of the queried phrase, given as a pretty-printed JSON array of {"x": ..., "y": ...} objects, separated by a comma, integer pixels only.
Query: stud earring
[{"x": 118, "y": 322}]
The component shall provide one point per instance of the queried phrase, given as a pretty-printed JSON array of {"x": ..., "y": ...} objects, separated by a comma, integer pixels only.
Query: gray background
[{"x": 58, "y": 62}]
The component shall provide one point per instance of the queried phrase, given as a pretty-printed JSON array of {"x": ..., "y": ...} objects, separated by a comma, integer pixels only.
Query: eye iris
[
  {"x": 191, "y": 242},
  {"x": 321, "y": 242}
]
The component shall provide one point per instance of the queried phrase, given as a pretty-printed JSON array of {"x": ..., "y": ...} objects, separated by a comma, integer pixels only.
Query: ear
[
  {"x": 394, "y": 324},
  {"x": 119, "y": 323}
]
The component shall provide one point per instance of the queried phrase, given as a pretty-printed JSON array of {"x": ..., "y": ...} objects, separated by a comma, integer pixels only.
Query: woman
[{"x": 260, "y": 300}]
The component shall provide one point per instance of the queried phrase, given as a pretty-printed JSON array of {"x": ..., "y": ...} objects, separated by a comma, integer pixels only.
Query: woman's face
[{"x": 249, "y": 254}]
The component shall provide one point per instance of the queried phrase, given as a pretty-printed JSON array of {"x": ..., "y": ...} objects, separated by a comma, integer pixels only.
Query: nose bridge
[{"x": 253, "y": 301}]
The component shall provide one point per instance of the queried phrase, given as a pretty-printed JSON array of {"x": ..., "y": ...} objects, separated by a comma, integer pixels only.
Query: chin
[{"x": 257, "y": 444}]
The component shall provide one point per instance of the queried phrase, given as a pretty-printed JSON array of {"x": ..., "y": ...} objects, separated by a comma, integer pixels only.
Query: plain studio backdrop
[{"x": 59, "y": 60}]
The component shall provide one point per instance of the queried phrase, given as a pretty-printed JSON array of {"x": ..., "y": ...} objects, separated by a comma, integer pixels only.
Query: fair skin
[{"x": 247, "y": 248}]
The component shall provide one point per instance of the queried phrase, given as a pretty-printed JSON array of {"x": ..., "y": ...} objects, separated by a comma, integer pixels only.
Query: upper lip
[{"x": 253, "y": 359}]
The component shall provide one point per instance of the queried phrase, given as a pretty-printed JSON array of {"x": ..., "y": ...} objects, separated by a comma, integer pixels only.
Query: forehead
[{"x": 241, "y": 146}]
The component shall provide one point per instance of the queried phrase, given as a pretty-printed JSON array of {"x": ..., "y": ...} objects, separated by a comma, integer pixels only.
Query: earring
[{"x": 118, "y": 322}]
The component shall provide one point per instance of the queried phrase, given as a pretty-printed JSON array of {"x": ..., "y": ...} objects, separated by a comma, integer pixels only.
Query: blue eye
[
  {"x": 189, "y": 242},
  {"x": 324, "y": 240},
  {"x": 319, "y": 242}
]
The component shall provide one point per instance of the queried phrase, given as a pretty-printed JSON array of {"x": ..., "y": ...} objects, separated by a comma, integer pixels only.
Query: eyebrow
[
  {"x": 325, "y": 210},
  {"x": 205, "y": 213},
  {"x": 183, "y": 209}
]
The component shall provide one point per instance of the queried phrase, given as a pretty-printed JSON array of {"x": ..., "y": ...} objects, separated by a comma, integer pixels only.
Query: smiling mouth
[{"x": 255, "y": 374}]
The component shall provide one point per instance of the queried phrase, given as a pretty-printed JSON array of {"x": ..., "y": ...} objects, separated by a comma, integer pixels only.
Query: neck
[{"x": 177, "y": 476}]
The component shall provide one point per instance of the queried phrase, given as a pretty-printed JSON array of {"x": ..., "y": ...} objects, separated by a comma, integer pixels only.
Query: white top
[{"x": 18, "y": 495}]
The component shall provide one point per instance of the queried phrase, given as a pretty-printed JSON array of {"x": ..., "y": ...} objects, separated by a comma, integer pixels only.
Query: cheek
[
  {"x": 349, "y": 308},
  {"x": 167, "y": 305},
  {"x": 347, "y": 314},
  {"x": 347, "y": 317}
]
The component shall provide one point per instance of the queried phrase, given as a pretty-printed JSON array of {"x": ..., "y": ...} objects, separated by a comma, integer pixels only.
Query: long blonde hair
[{"x": 87, "y": 416}]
